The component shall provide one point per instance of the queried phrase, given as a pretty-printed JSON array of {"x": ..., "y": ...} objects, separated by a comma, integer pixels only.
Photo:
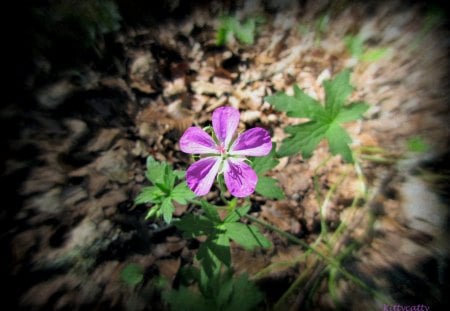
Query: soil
[{"x": 78, "y": 134}]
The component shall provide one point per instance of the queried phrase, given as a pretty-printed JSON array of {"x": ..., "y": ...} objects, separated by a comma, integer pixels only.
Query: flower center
[{"x": 221, "y": 149}]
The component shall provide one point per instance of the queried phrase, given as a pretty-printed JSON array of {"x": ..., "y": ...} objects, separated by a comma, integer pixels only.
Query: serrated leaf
[
  {"x": 336, "y": 92},
  {"x": 214, "y": 251},
  {"x": 352, "y": 112},
  {"x": 181, "y": 193},
  {"x": 300, "y": 106},
  {"x": 338, "y": 141},
  {"x": 167, "y": 210},
  {"x": 169, "y": 178},
  {"x": 246, "y": 295},
  {"x": 324, "y": 121},
  {"x": 185, "y": 299},
  {"x": 262, "y": 164},
  {"x": 247, "y": 236},
  {"x": 155, "y": 171},
  {"x": 236, "y": 214},
  {"x": 149, "y": 195},
  {"x": 152, "y": 212},
  {"x": 268, "y": 187},
  {"x": 211, "y": 212},
  {"x": 304, "y": 137},
  {"x": 195, "y": 225},
  {"x": 224, "y": 289}
]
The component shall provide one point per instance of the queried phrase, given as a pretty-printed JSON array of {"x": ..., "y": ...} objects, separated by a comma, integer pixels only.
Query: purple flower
[{"x": 223, "y": 154}]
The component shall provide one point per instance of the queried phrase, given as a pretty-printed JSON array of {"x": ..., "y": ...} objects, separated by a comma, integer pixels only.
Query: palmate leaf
[
  {"x": 247, "y": 236},
  {"x": 268, "y": 187},
  {"x": 262, "y": 164},
  {"x": 181, "y": 193},
  {"x": 324, "y": 121},
  {"x": 164, "y": 190}
]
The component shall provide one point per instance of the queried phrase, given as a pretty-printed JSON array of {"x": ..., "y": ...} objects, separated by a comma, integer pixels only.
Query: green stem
[{"x": 330, "y": 261}]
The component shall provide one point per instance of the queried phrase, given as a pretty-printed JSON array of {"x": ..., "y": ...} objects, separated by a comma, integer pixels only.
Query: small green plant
[
  {"x": 355, "y": 45},
  {"x": 325, "y": 122},
  {"x": 208, "y": 282},
  {"x": 221, "y": 292},
  {"x": 416, "y": 144},
  {"x": 215, "y": 251},
  {"x": 132, "y": 274},
  {"x": 164, "y": 190},
  {"x": 231, "y": 27}
]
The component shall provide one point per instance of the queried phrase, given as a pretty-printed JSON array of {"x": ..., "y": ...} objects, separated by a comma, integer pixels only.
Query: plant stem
[{"x": 330, "y": 261}]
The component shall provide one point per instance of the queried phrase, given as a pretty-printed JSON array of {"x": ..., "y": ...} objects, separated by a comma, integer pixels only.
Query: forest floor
[{"x": 81, "y": 152}]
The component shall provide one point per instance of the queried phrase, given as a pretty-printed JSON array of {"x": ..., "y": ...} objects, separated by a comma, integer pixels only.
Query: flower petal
[
  {"x": 240, "y": 178},
  {"x": 201, "y": 174},
  {"x": 197, "y": 141},
  {"x": 225, "y": 121},
  {"x": 253, "y": 142}
]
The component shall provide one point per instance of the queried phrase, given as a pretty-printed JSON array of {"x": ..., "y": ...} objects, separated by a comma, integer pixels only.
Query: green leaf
[
  {"x": 185, "y": 299},
  {"x": 194, "y": 225},
  {"x": 211, "y": 212},
  {"x": 304, "y": 137},
  {"x": 236, "y": 214},
  {"x": 374, "y": 54},
  {"x": 268, "y": 187},
  {"x": 245, "y": 33},
  {"x": 169, "y": 178},
  {"x": 352, "y": 112},
  {"x": 338, "y": 141},
  {"x": 149, "y": 195},
  {"x": 417, "y": 144},
  {"x": 247, "y": 236},
  {"x": 152, "y": 211},
  {"x": 180, "y": 174},
  {"x": 299, "y": 106},
  {"x": 167, "y": 210},
  {"x": 214, "y": 251},
  {"x": 355, "y": 45},
  {"x": 181, "y": 193},
  {"x": 230, "y": 26},
  {"x": 337, "y": 91},
  {"x": 155, "y": 171},
  {"x": 324, "y": 121},
  {"x": 132, "y": 274},
  {"x": 262, "y": 164},
  {"x": 246, "y": 295}
]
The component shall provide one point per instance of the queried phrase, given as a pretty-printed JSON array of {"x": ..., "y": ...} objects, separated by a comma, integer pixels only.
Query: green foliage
[
  {"x": 164, "y": 190},
  {"x": 417, "y": 144},
  {"x": 73, "y": 25},
  {"x": 230, "y": 27},
  {"x": 355, "y": 45},
  {"x": 216, "y": 249},
  {"x": 324, "y": 121},
  {"x": 132, "y": 274},
  {"x": 267, "y": 186},
  {"x": 218, "y": 292}
]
